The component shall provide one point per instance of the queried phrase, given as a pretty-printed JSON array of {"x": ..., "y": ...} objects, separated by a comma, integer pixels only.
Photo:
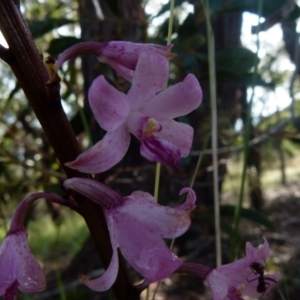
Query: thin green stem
[
  {"x": 169, "y": 38},
  {"x": 200, "y": 157},
  {"x": 158, "y": 165},
  {"x": 238, "y": 208},
  {"x": 214, "y": 129},
  {"x": 171, "y": 19},
  {"x": 157, "y": 180}
]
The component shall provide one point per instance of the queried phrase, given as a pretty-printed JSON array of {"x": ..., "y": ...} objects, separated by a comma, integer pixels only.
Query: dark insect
[{"x": 259, "y": 269}]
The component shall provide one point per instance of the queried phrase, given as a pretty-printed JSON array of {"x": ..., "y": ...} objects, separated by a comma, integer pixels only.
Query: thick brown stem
[{"x": 29, "y": 69}]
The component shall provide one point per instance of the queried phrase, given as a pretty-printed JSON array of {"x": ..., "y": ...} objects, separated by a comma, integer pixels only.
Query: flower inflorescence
[{"x": 136, "y": 224}]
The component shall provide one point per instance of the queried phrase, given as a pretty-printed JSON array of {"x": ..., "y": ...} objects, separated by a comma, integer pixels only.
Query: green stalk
[
  {"x": 158, "y": 165},
  {"x": 238, "y": 207},
  {"x": 199, "y": 161},
  {"x": 157, "y": 180},
  {"x": 169, "y": 38},
  {"x": 214, "y": 128},
  {"x": 170, "y": 27}
]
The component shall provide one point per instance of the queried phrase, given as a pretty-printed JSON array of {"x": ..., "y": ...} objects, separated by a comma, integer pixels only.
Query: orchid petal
[
  {"x": 121, "y": 70},
  {"x": 127, "y": 53},
  {"x": 218, "y": 285},
  {"x": 178, "y": 100},
  {"x": 250, "y": 284},
  {"x": 160, "y": 150},
  {"x": 144, "y": 249},
  {"x": 250, "y": 250},
  {"x": 263, "y": 253},
  {"x": 258, "y": 255},
  {"x": 18, "y": 263},
  {"x": 168, "y": 222},
  {"x": 104, "y": 282},
  {"x": 178, "y": 134},
  {"x": 104, "y": 154},
  {"x": 231, "y": 281},
  {"x": 137, "y": 195},
  {"x": 138, "y": 235},
  {"x": 150, "y": 76},
  {"x": 135, "y": 123},
  {"x": 235, "y": 267},
  {"x": 110, "y": 107}
]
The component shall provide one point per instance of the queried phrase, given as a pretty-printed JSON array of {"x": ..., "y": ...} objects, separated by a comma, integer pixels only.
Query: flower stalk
[
  {"x": 31, "y": 73},
  {"x": 214, "y": 129}
]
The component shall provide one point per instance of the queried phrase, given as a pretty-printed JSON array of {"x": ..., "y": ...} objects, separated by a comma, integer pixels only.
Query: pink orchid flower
[
  {"x": 232, "y": 281},
  {"x": 18, "y": 267},
  {"x": 254, "y": 287},
  {"x": 121, "y": 56},
  {"x": 137, "y": 226},
  {"x": 240, "y": 278},
  {"x": 146, "y": 111}
]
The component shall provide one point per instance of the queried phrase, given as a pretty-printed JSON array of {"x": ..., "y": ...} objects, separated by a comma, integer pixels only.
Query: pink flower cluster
[{"x": 136, "y": 224}]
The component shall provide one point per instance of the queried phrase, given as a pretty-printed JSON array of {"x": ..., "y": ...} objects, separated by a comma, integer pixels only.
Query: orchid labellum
[{"x": 137, "y": 226}]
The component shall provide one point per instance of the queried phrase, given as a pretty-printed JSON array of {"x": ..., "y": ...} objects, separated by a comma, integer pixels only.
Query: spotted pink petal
[
  {"x": 137, "y": 226},
  {"x": 258, "y": 255},
  {"x": 178, "y": 134},
  {"x": 105, "y": 281},
  {"x": 121, "y": 70},
  {"x": 235, "y": 267},
  {"x": 127, "y": 53},
  {"x": 18, "y": 264},
  {"x": 232, "y": 281},
  {"x": 110, "y": 107},
  {"x": 250, "y": 283},
  {"x": 150, "y": 76},
  {"x": 144, "y": 249},
  {"x": 177, "y": 100},
  {"x": 169, "y": 222},
  {"x": 218, "y": 284},
  {"x": 104, "y": 154},
  {"x": 159, "y": 150}
]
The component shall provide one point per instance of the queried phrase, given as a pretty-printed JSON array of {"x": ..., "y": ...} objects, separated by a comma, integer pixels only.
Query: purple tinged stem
[
  {"x": 114, "y": 50},
  {"x": 199, "y": 270},
  {"x": 79, "y": 49},
  {"x": 17, "y": 221},
  {"x": 96, "y": 191}
]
